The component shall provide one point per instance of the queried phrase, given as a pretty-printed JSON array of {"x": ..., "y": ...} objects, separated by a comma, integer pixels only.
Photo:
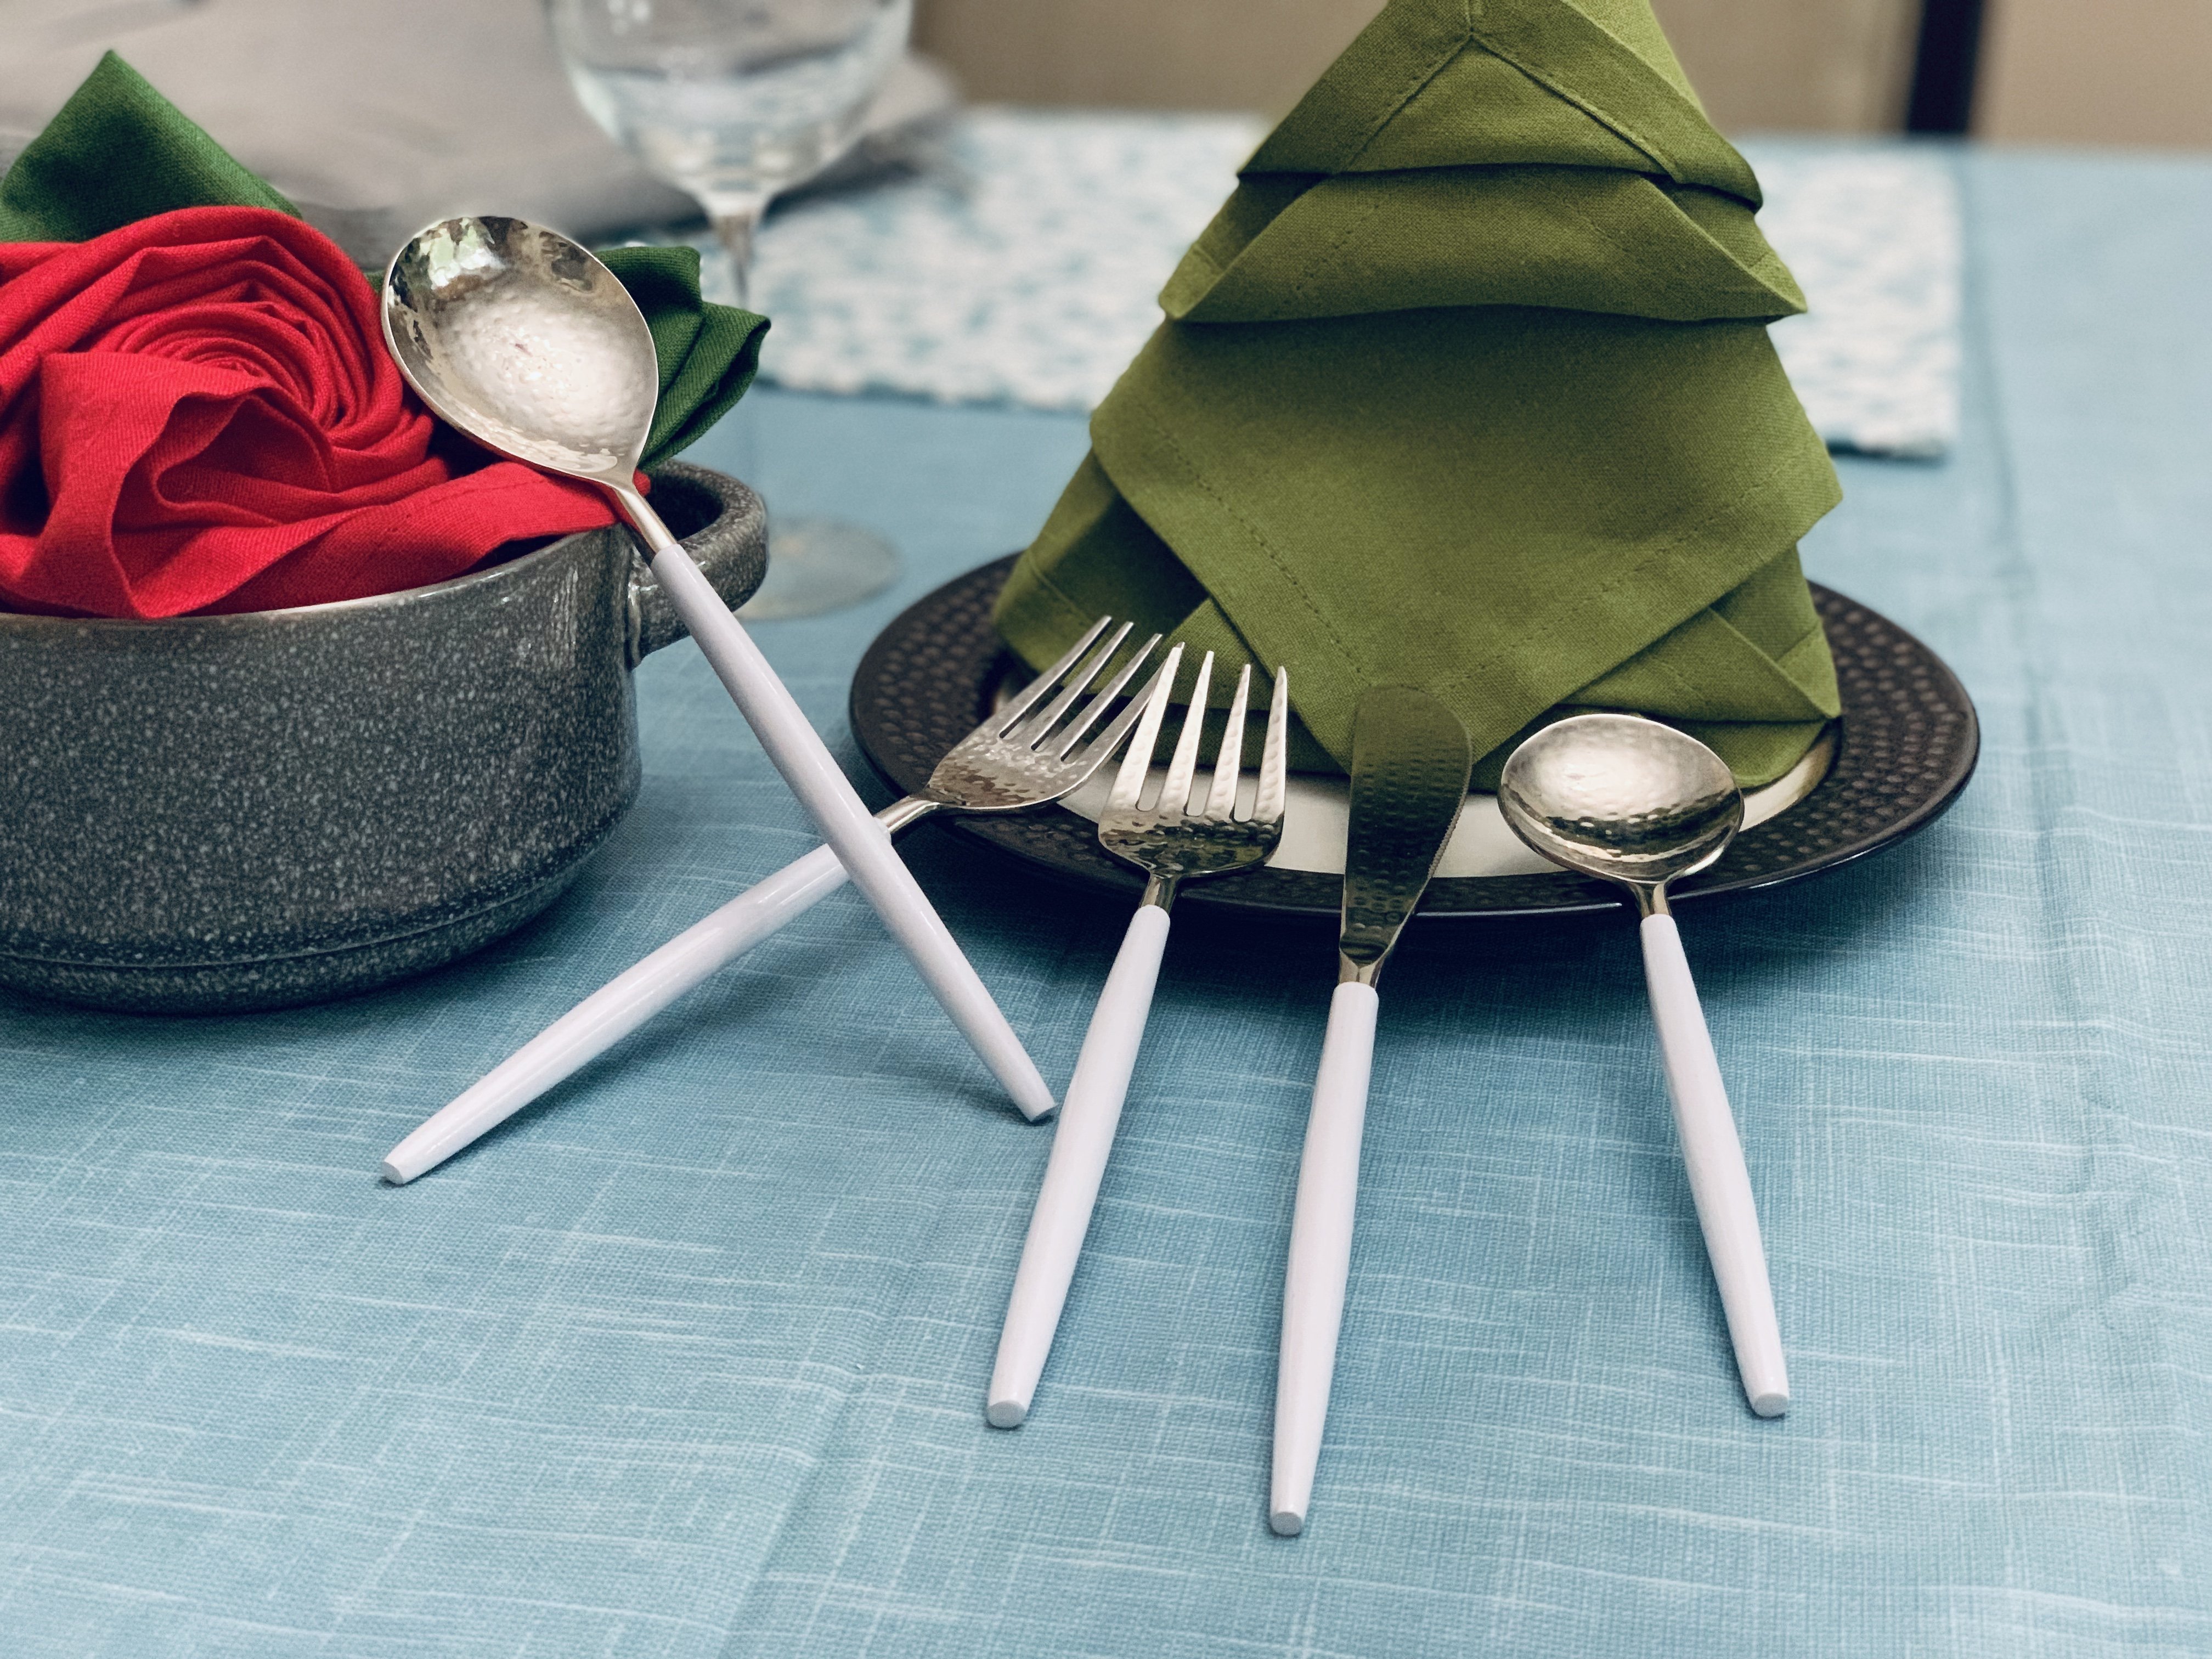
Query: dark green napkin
[
  {"x": 1467, "y": 387},
  {"x": 118, "y": 152}
]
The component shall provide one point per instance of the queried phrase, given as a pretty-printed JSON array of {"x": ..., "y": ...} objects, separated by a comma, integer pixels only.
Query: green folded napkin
[
  {"x": 1467, "y": 387},
  {"x": 118, "y": 152}
]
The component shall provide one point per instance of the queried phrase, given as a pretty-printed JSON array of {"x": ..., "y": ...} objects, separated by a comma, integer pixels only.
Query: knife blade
[
  {"x": 1410, "y": 763},
  {"x": 1410, "y": 767}
]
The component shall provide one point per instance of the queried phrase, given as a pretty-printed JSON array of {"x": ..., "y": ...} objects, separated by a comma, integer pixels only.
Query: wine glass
[{"x": 730, "y": 101}]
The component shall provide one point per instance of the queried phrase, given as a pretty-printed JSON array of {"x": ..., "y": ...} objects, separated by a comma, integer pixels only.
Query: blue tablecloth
[{"x": 688, "y": 1361}]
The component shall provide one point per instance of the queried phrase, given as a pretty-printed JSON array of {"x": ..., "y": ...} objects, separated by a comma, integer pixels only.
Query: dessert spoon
[{"x": 1627, "y": 799}]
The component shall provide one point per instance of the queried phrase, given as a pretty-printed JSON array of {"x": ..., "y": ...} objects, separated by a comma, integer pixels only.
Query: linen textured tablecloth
[{"x": 688, "y": 1360}]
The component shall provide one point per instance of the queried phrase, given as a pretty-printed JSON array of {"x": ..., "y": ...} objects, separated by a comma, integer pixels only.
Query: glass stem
[
  {"x": 736, "y": 223},
  {"x": 736, "y": 218}
]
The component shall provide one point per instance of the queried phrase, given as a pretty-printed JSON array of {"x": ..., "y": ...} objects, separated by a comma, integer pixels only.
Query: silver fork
[
  {"x": 1010, "y": 764},
  {"x": 1171, "y": 843},
  {"x": 1018, "y": 758}
]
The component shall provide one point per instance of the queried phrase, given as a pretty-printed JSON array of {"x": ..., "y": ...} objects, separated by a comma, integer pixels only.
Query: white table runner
[{"x": 1023, "y": 269}]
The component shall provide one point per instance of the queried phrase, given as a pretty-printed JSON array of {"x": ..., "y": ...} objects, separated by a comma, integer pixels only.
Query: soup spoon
[
  {"x": 523, "y": 341},
  {"x": 1630, "y": 800}
]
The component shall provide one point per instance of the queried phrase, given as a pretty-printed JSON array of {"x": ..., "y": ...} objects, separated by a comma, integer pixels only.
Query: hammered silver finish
[
  {"x": 1410, "y": 764},
  {"x": 1170, "y": 842},
  {"x": 1022, "y": 757},
  {"x": 1622, "y": 798},
  {"x": 209, "y": 813},
  {"x": 1016, "y": 760},
  {"x": 521, "y": 338}
]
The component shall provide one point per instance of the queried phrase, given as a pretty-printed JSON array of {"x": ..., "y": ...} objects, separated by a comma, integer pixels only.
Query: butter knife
[{"x": 1410, "y": 763}]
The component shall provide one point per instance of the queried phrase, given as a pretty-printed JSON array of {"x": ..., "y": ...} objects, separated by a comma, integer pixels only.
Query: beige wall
[
  {"x": 1164, "y": 54},
  {"x": 1823, "y": 65},
  {"x": 2097, "y": 71},
  {"x": 1796, "y": 65}
]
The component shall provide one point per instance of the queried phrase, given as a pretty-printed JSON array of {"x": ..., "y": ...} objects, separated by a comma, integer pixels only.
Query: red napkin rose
[{"x": 196, "y": 414}]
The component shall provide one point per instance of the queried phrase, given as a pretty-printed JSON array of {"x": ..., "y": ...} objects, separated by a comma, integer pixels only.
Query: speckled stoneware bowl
[{"x": 230, "y": 812}]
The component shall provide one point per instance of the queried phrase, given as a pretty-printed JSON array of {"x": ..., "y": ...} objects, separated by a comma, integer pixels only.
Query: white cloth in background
[
  {"x": 375, "y": 118},
  {"x": 1026, "y": 270}
]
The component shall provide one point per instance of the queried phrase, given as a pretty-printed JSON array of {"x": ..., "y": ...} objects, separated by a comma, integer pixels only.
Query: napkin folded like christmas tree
[
  {"x": 1467, "y": 387},
  {"x": 196, "y": 413}
]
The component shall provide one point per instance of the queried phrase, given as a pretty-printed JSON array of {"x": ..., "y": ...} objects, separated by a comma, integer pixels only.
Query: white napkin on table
[{"x": 375, "y": 118}]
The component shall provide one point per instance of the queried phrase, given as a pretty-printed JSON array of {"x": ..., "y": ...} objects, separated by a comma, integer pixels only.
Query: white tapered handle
[
  {"x": 1320, "y": 1253},
  {"x": 1080, "y": 1146},
  {"x": 862, "y": 843},
  {"x": 613, "y": 1011},
  {"x": 1720, "y": 1185}
]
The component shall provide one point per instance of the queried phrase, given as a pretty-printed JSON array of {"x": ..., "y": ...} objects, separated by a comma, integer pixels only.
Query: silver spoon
[
  {"x": 1631, "y": 800},
  {"x": 522, "y": 340}
]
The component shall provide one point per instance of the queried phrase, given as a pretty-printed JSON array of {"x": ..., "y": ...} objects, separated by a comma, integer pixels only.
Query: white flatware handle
[
  {"x": 1320, "y": 1253},
  {"x": 1720, "y": 1185},
  {"x": 862, "y": 843},
  {"x": 614, "y": 1010},
  {"x": 1080, "y": 1145}
]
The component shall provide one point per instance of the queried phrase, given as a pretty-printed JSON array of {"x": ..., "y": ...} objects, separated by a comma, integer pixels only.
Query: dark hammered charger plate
[{"x": 1907, "y": 742}]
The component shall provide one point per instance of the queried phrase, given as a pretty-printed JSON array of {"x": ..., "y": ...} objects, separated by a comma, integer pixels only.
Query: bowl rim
[{"x": 33, "y": 622}]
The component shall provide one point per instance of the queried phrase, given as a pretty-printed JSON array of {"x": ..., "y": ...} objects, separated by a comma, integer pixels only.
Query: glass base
[{"x": 816, "y": 566}]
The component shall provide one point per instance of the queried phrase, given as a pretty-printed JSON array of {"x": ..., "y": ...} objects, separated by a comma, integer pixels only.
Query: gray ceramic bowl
[{"x": 226, "y": 813}]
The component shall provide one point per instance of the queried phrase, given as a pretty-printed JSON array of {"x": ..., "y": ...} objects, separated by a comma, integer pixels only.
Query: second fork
[
  {"x": 1021, "y": 756},
  {"x": 1172, "y": 842}
]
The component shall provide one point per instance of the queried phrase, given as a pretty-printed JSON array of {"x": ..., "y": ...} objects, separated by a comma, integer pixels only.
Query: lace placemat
[
  {"x": 1873, "y": 234},
  {"x": 1021, "y": 264}
]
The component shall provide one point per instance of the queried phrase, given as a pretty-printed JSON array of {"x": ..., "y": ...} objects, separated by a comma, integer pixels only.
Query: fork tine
[
  {"x": 1174, "y": 794},
  {"x": 1100, "y": 749},
  {"x": 1229, "y": 764},
  {"x": 1035, "y": 691},
  {"x": 1267, "y": 807},
  {"x": 1137, "y": 764},
  {"x": 1032, "y": 730},
  {"x": 1088, "y": 714}
]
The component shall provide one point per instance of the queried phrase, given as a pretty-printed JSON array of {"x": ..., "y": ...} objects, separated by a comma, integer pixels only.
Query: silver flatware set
[{"x": 525, "y": 342}]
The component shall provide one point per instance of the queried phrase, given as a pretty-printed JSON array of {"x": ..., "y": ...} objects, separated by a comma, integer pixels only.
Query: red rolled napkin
[{"x": 196, "y": 414}]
